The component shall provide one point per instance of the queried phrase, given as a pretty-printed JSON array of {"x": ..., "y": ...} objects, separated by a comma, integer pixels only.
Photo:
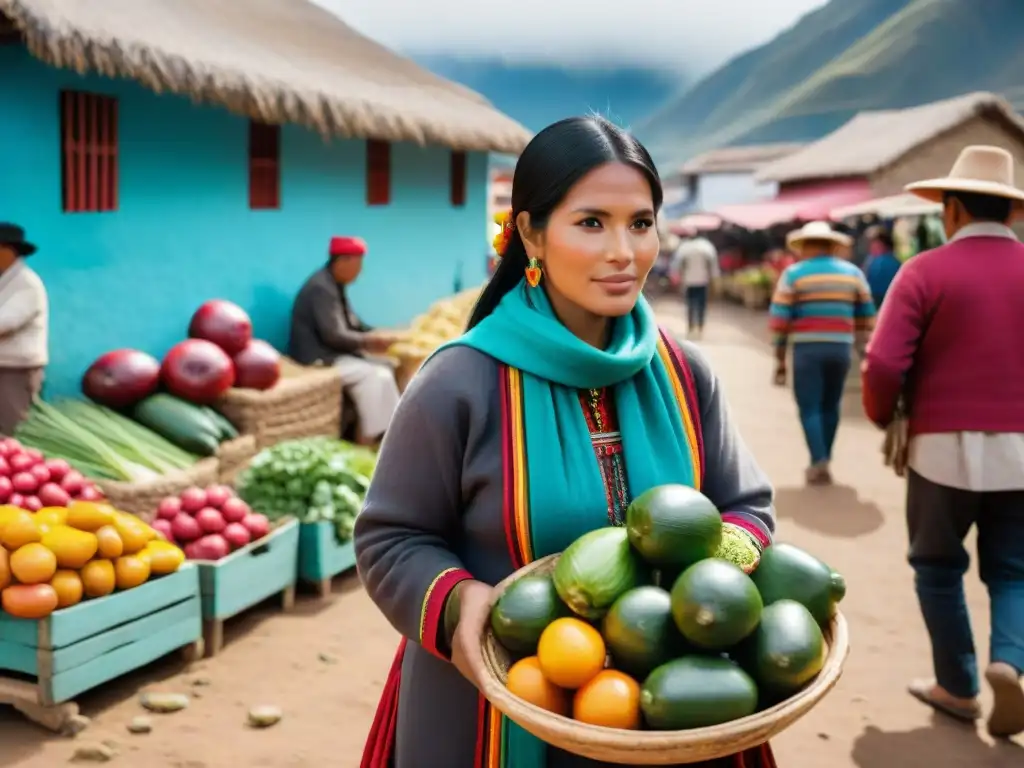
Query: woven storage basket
[
  {"x": 234, "y": 456},
  {"x": 490, "y": 662},
  {"x": 141, "y": 499},
  {"x": 305, "y": 402}
]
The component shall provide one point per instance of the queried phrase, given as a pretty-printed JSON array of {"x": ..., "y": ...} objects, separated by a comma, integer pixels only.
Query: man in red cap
[{"x": 326, "y": 330}]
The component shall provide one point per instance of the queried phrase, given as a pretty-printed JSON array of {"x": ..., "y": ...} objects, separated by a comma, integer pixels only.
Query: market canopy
[
  {"x": 890, "y": 207},
  {"x": 695, "y": 222},
  {"x": 808, "y": 202}
]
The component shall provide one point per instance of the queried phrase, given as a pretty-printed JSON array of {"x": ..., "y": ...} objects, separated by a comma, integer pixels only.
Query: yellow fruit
[
  {"x": 98, "y": 578},
  {"x": 163, "y": 556},
  {"x": 133, "y": 532},
  {"x": 130, "y": 571},
  {"x": 7, "y": 513},
  {"x": 29, "y": 601},
  {"x": 109, "y": 544},
  {"x": 527, "y": 681},
  {"x": 571, "y": 652},
  {"x": 5, "y": 568},
  {"x": 68, "y": 586},
  {"x": 21, "y": 529},
  {"x": 33, "y": 564},
  {"x": 89, "y": 515},
  {"x": 51, "y": 516},
  {"x": 73, "y": 548}
]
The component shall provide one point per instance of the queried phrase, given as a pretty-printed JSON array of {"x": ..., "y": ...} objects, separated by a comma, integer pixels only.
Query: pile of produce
[
  {"x": 59, "y": 556},
  {"x": 100, "y": 443},
  {"x": 30, "y": 481},
  {"x": 197, "y": 429},
  {"x": 442, "y": 322},
  {"x": 313, "y": 479},
  {"x": 209, "y": 524},
  {"x": 699, "y": 630}
]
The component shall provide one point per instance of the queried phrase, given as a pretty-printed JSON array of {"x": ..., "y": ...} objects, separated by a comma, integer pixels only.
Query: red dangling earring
[{"x": 533, "y": 273}]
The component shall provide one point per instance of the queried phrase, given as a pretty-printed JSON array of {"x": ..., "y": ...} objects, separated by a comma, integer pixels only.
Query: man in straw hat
[
  {"x": 946, "y": 344},
  {"x": 822, "y": 305}
]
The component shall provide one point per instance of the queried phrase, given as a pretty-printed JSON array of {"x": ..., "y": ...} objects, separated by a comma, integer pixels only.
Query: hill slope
[{"x": 881, "y": 54}]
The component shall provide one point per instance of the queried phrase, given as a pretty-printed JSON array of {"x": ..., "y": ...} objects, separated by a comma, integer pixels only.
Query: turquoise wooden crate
[
  {"x": 246, "y": 578},
  {"x": 78, "y": 648},
  {"x": 322, "y": 556}
]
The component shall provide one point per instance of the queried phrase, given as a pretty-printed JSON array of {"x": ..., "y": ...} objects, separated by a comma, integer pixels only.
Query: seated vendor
[{"x": 326, "y": 330}]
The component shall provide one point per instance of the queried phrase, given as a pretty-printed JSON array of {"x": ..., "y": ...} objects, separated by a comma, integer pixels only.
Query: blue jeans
[
  {"x": 819, "y": 375},
  {"x": 696, "y": 305},
  {"x": 938, "y": 519}
]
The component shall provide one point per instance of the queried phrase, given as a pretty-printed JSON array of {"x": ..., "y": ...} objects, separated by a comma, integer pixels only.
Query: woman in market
[{"x": 562, "y": 353}]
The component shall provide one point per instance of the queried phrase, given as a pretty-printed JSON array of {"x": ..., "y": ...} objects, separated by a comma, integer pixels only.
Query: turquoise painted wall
[{"x": 184, "y": 232}]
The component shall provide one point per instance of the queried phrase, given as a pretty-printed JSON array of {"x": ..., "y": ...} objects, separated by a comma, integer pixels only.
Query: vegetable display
[
  {"x": 193, "y": 428},
  {"x": 312, "y": 479},
  {"x": 100, "y": 443},
  {"x": 729, "y": 634},
  {"x": 59, "y": 556},
  {"x": 209, "y": 523},
  {"x": 30, "y": 481}
]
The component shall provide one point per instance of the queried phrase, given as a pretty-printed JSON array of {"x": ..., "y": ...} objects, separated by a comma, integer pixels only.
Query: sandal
[
  {"x": 924, "y": 691},
  {"x": 1007, "y": 718}
]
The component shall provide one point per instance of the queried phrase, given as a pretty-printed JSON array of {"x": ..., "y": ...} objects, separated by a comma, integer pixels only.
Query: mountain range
[{"x": 845, "y": 57}]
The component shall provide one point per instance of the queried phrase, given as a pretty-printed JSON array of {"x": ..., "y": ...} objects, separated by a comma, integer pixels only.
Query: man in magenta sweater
[{"x": 946, "y": 341}]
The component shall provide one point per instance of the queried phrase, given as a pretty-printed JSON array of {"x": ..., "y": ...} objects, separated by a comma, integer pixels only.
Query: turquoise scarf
[{"x": 566, "y": 490}]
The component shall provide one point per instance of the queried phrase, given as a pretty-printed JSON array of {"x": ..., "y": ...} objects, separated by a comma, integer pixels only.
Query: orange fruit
[
  {"x": 19, "y": 530},
  {"x": 68, "y": 586},
  {"x": 29, "y": 601},
  {"x": 5, "y": 568},
  {"x": 73, "y": 548},
  {"x": 33, "y": 564},
  {"x": 527, "y": 681},
  {"x": 610, "y": 699},
  {"x": 98, "y": 578},
  {"x": 164, "y": 557},
  {"x": 130, "y": 571},
  {"x": 570, "y": 652},
  {"x": 89, "y": 515},
  {"x": 134, "y": 533},
  {"x": 109, "y": 544}
]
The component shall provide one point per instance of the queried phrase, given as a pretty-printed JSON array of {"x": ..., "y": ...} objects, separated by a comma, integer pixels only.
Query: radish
[
  {"x": 163, "y": 527},
  {"x": 185, "y": 528},
  {"x": 32, "y": 504},
  {"x": 9, "y": 446},
  {"x": 193, "y": 551},
  {"x": 257, "y": 525},
  {"x": 5, "y": 468},
  {"x": 237, "y": 535},
  {"x": 72, "y": 482},
  {"x": 52, "y": 495},
  {"x": 58, "y": 469},
  {"x": 16, "y": 500},
  {"x": 210, "y": 520},
  {"x": 35, "y": 454},
  {"x": 169, "y": 508},
  {"x": 6, "y": 489},
  {"x": 89, "y": 492},
  {"x": 216, "y": 495},
  {"x": 20, "y": 462},
  {"x": 234, "y": 510},
  {"x": 40, "y": 473},
  {"x": 212, "y": 547},
  {"x": 192, "y": 499},
  {"x": 25, "y": 482}
]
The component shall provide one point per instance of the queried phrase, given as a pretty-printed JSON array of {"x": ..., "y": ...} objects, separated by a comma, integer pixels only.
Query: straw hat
[
  {"x": 817, "y": 230},
  {"x": 979, "y": 169}
]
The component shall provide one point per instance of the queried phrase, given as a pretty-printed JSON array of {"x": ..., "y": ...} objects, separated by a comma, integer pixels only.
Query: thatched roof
[
  {"x": 738, "y": 159},
  {"x": 875, "y": 140},
  {"x": 276, "y": 61}
]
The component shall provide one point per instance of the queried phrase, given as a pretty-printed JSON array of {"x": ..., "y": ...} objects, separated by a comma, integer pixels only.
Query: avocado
[
  {"x": 715, "y": 604},
  {"x": 640, "y": 632},
  {"x": 785, "y": 652},
  {"x": 673, "y": 526},
  {"x": 696, "y": 692},
  {"x": 523, "y": 611},
  {"x": 789, "y": 573}
]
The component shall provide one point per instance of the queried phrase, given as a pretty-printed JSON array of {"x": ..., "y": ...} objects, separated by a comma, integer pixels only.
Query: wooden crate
[
  {"x": 322, "y": 556},
  {"x": 81, "y": 647},
  {"x": 247, "y": 577}
]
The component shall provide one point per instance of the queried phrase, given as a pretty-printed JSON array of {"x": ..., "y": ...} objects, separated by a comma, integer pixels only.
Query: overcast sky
[{"x": 687, "y": 34}]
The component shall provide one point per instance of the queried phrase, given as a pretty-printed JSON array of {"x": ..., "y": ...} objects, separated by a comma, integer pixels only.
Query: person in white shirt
[
  {"x": 695, "y": 265},
  {"x": 24, "y": 320}
]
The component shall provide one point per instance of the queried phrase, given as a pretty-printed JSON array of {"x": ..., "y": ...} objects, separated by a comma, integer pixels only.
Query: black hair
[
  {"x": 982, "y": 207},
  {"x": 552, "y": 163},
  {"x": 882, "y": 235}
]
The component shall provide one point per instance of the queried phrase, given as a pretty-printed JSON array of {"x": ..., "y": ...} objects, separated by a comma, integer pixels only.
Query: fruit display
[
  {"x": 442, "y": 322},
  {"x": 312, "y": 479},
  {"x": 30, "y": 481},
  {"x": 58, "y": 556},
  {"x": 209, "y": 523},
  {"x": 670, "y": 622}
]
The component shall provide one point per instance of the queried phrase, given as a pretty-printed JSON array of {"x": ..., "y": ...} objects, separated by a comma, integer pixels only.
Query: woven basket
[
  {"x": 234, "y": 456},
  {"x": 407, "y": 367},
  {"x": 141, "y": 499},
  {"x": 305, "y": 402},
  {"x": 490, "y": 661}
]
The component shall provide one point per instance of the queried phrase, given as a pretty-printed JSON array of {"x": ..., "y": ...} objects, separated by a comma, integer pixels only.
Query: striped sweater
[{"x": 821, "y": 299}]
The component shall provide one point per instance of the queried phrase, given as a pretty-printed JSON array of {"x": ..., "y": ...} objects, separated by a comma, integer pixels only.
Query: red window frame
[
  {"x": 457, "y": 179},
  {"x": 378, "y": 172},
  {"x": 264, "y": 166},
  {"x": 89, "y": 152}
]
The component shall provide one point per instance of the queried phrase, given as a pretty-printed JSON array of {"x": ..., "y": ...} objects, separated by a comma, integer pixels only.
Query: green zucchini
[
  {"x": 226, "y": 429},
  {"x": 181, "y": 422}
]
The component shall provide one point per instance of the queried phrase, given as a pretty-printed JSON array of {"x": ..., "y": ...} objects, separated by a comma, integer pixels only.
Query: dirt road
[{"x": 324, "y": 664}]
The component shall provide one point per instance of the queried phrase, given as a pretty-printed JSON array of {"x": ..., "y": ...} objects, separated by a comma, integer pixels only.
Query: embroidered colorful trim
[
  {"x": 508, "y": 226},
  {"x": 433, "y": 607}
]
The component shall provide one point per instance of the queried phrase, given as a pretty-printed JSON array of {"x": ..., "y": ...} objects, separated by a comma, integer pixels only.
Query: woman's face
[{"x": 599, "y": 244}]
